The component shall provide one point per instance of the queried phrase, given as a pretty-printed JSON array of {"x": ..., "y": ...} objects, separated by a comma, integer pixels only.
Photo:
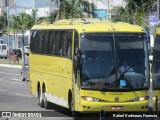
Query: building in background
[
  {"x": 104, "y": 7},
  {"x": 44, "y": 7},
  {"x": 4, "y": 4}
]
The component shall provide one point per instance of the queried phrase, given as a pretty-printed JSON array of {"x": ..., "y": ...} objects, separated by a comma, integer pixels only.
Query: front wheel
[
  {"x": 22, "y": 78},
  {"x": 102, "y": 116},
  {"x": 76, "y": 115}
]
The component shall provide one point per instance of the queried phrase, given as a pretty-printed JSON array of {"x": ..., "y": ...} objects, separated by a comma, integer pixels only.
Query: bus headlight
[
  {"x": 92, "y": 99},
  {"x": 141, "y": 98},
  {"x": 154, "y": 98}
]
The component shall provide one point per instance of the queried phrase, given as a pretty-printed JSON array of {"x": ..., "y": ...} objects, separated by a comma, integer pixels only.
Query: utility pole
[
  {"x": 108, "y": 10},
  {"x": 158, "y": 9},
  {"x": 7, "y": 9}
]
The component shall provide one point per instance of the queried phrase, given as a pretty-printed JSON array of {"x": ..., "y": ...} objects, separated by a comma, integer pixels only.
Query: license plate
[{"x": 116, "y": 108}]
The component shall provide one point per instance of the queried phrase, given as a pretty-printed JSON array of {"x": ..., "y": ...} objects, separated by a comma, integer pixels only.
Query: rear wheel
[
  {"x": 40, "y": 98},
  {"x": 47, "y": 104}
]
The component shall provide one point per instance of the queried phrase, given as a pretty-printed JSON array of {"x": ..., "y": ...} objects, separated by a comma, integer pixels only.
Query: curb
[{"x": 11, "y": 66}]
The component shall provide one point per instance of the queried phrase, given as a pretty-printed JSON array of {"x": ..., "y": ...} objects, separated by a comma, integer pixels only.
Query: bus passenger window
[
  {"x": 49, "y": 40},
  {"x": 75, "y": 41},
  {"x": 43, "y": 47},
  {"x": 33, "y": 41},
  {"x": 57, "y": 43},
  {"x": 40, "y": 41},
  {"x": 69, "y": 51},
  {"x": 62, "y": 43},
  {"x": 37, "y": 43},
  {"x": 52, "y": 42},
  {"x": 68, "y": 44}
]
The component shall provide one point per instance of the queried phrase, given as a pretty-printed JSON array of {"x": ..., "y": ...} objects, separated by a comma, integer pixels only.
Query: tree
[
  {"x": 52, "y": 16},
  {"x": 14, "y": 26},
  {"x": 74, "y": 9},
  {"x": 34, "y": 16},
  {"x": 15, "y": 23},
  {"x": 3, "y": 23},
  {"x": 119, "y": 13},
  {"x": 23, "y": 21},
  {"x": 138, "y": 11}
]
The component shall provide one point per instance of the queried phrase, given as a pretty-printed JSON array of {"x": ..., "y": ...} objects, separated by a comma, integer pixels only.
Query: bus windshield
[
  {"x": 156, "y": 63},
  {"x": 103, "y": 56}
]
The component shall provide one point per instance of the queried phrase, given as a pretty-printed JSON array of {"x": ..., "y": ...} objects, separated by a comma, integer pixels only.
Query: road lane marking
[
  {"x": 17, "y": 83},
  {"x": 23, "y": 95},
  {"x": 2, "y": 90},
  {"x": 9, "y": 73},
  {"x": 15, "y": 79},
  {"x": 4, "y": 81},
  {"x": 8, "y": 79},
  {"x": 11, "y": 66},
  {"x": 11, "y": 70}
]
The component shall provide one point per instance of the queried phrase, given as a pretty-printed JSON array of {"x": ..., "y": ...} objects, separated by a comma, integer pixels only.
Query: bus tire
[
  {"x": 102, "y": 115},
  {"x": 47, "y": 104},
  {"x": 22, "y": 78},
  {"x": 40, "y": 97},
  {"x": 76, "y": 115}
]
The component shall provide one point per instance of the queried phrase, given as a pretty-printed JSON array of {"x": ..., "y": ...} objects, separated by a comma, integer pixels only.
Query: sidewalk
[{"x": 10, "y": 63}]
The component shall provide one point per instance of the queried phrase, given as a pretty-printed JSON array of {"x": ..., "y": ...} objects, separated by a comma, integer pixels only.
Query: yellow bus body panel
[{"x": 54, "y": 72}]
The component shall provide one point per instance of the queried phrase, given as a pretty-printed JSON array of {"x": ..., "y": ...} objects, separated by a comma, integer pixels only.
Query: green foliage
[
  {"x": 74, "y": 9},
  {"x": 22, "y": 22},
  {"x": 120, "y": 14},
  {"x": 135, "y": 11},
  {"x": 3, "y": 23}
]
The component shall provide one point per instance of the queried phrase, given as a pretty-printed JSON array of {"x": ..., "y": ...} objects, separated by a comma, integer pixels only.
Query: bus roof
[{"x": 90, "y": 25}]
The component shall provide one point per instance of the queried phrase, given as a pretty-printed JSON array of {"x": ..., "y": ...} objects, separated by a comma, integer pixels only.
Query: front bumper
[{"x": 113, "y": 107}]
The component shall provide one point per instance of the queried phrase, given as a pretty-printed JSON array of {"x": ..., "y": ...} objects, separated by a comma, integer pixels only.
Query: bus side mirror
[{"x": 76, "y": 60}]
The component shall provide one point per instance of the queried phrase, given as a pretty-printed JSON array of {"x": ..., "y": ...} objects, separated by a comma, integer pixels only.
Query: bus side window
[
  {"x": 62, "y": 43},
  {"x": 50, "y": 42},
  {"x": 37, "y": 42},
  {"x": 40, "y": 41},
  {"x": 44, "y": 42},
  {"x": 75, "y": 41},
  {"x": 57, "y": 42},
  {"x": 32, "y": 40},
  {"x": 68, "y": 44}
]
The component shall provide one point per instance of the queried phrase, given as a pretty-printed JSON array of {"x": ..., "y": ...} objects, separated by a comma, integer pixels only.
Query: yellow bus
[
  {"x": 77, "y": 64},
  {"x": 156, "y": 71}
]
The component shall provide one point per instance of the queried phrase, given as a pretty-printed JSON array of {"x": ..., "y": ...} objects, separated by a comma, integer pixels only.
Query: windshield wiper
[
  {"x": 114, "y": 82},
  {"x": 109, "y": 73}
]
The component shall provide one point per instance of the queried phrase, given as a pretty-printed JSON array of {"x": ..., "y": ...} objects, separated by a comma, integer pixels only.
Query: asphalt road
[{"x": 15, "y": 97}]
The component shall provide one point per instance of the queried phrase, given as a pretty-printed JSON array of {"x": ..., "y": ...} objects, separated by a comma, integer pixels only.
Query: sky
[
  {"x": 23, "y": 3},
  {"x": 32, "y": 3}
]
